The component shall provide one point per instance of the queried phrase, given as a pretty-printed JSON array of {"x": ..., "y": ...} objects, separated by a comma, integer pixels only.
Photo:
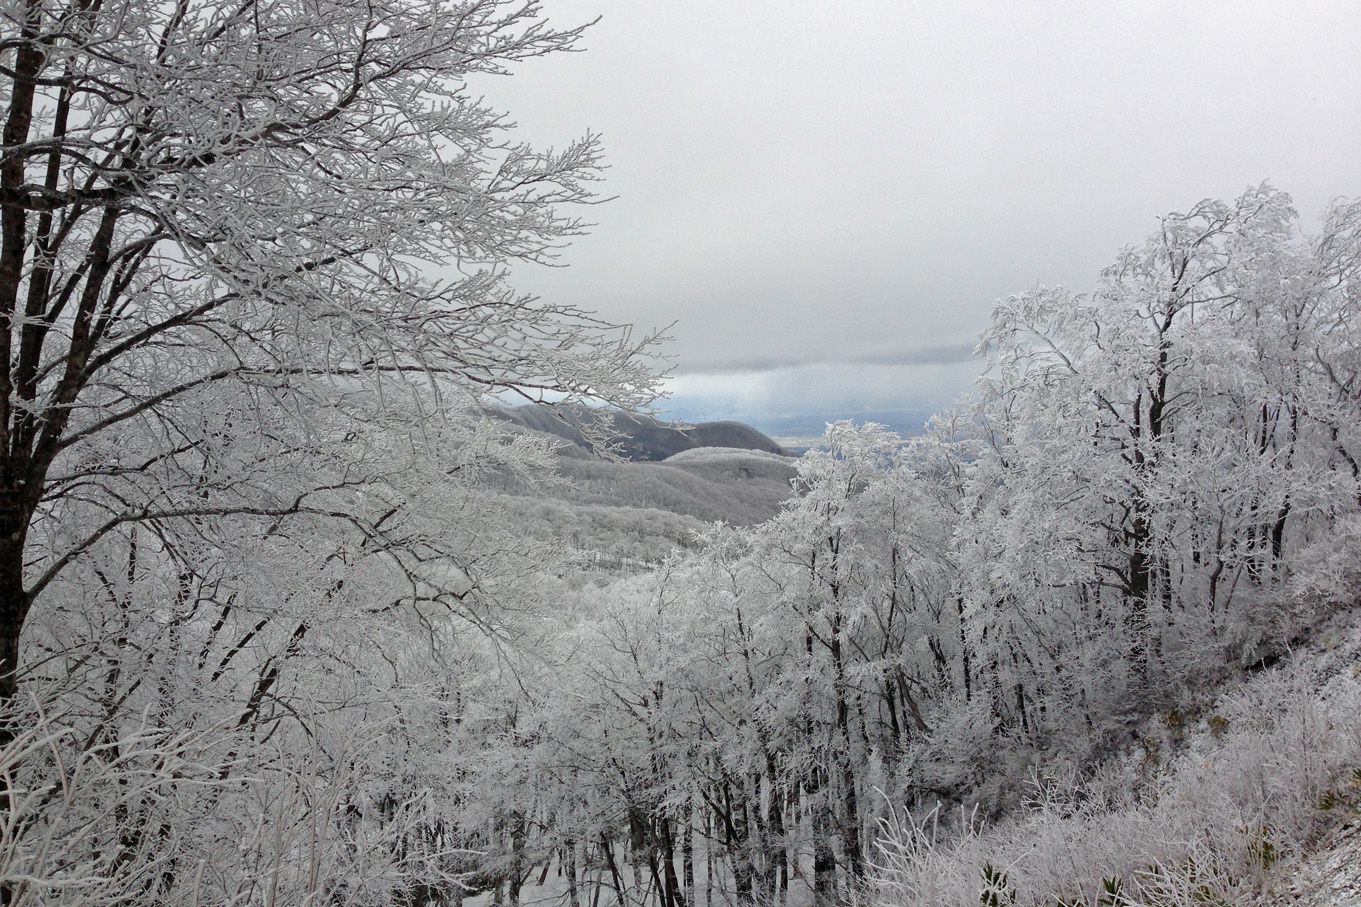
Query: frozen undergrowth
[{"x": 1226, "y": 822}]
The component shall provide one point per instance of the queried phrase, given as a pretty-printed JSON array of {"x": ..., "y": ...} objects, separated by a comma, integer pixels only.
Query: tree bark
[
  {"x": 850, "y": 820},
  {"x": 517, "y": 857},
  {"x": 569, "y": 853},
  {"x": 14, "y": 603},
  {"x": 688, "y": 852},
  {"x": 824, "y": 858}
]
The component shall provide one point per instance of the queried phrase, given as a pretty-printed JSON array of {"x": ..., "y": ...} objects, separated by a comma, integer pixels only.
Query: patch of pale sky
[
  {"x": 830, "y": 388},
  {"x": 805, "y": 188}
]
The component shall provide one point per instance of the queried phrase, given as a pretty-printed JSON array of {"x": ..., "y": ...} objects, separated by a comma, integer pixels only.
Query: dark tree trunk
[
  {"x": 14, "y": 602},
  {"x": 615, "y": 877},
  {"x": 1140, "y": 567},
  {"x": 517, "y": 857},
  {"x": 671, "y": 882},
  {"x": 775, "y": 825},
  {"x": 850, "y": 820},
  {"x": 763, "y": 869},
  {"x": 569, "y": 854},
  {"x": 688, "y": 852},
  {"x": 824, "y": 858},
  {"x": 965, "y": 662},
  {"x": 709, "y": 858}
]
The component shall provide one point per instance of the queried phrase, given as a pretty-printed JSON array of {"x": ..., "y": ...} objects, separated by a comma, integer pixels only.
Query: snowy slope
[{"x": 1258, "y": 805}]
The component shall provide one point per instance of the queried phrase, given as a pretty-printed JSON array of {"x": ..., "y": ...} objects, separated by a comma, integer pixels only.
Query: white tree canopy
[{"x": 272, "y": 208}]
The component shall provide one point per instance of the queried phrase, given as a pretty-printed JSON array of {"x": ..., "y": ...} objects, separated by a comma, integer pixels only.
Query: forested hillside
[
  {"x": 633, "y": 436},
  {"x": 624, "y": 515},
  {"x": 1154, "y": 492}
]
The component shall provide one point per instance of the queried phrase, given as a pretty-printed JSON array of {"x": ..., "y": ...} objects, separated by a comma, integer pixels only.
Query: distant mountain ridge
[
  {"x": 638, "y": 437},
  {"x": 805, "y": 429},
  {"x": 628, "y": 514}
]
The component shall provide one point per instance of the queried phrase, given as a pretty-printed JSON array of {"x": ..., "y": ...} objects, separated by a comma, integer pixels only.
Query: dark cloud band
[{"x": 939, "y": 354}]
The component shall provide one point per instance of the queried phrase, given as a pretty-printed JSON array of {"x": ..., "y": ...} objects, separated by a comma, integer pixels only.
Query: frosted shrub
[
  {"x": 1207, "y": 830},
  {"x": 152, "y": 815}
]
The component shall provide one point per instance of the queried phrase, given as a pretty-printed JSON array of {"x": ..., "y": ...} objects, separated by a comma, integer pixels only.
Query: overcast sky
[{"x": 827, "y": 198}]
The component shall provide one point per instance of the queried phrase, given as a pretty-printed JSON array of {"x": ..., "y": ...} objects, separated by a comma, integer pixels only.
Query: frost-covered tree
[
  {"x": 269, "y": 208},
  {"x": 1172, "y": 431},
  {"x": 1156, "y": 483},
  {"x": 252, "y": 296}
]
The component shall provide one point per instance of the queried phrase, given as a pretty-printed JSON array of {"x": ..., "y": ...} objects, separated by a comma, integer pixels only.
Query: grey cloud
[
  {"x": 800, "y": 185},
  {"x": 939, "y": 354}
]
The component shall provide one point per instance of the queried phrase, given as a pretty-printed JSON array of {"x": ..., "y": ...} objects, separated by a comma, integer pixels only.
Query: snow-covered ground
[
  {"x": 1259, "y": 806},
  {"x": 1329, "y": 876}
]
